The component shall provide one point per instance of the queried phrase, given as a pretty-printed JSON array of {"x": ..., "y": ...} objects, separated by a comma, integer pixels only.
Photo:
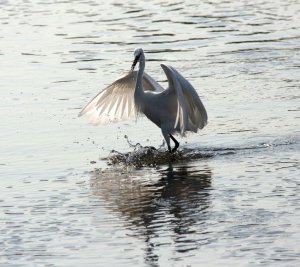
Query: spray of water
[{"x": 150, "y": 156}]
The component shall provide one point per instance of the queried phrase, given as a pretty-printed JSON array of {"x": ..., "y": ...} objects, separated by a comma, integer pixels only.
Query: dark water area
[{"x": 73, "y": 194}]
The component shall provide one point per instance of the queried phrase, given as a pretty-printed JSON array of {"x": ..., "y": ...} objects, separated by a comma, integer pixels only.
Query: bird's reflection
[{"x": 166, "y": 207}]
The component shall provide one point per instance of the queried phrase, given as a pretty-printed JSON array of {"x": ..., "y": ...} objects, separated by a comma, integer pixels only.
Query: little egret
[{"x": 177, "y": 109}]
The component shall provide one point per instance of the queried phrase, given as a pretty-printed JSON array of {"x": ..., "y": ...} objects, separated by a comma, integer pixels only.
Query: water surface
[{"x": 230, "y": 197}]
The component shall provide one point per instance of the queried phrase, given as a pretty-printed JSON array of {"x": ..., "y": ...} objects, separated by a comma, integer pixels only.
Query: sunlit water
[{"x": 76, "y": 195}]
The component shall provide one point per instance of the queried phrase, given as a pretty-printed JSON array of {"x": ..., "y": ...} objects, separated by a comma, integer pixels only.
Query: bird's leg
[
  {"x": 176, "y": 144},
  {"x": 167, "y": 138}
]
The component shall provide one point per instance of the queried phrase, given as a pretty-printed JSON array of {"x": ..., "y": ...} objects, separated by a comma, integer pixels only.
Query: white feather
[{"x": 116, "y": 101}]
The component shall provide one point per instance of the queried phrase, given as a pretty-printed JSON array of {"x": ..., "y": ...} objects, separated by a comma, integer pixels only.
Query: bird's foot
[{"x": 173, "y": 150}]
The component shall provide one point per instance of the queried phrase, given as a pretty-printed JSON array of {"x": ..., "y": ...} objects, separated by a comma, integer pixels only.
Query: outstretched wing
[
  {"x": 116, "y": 101},
  {"x": 191, "y": 113}
]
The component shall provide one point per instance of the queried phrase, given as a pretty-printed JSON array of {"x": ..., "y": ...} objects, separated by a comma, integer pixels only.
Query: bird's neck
[
  {"x": 140, "y": 73},
  {"x": 139, "y": 91}
]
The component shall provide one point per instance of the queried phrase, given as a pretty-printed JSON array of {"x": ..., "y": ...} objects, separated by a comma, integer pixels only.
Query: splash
[{"x": 150, "y": 156}]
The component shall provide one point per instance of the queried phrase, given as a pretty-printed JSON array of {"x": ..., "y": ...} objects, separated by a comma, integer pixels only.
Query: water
[{"x": 231, "y": 194}]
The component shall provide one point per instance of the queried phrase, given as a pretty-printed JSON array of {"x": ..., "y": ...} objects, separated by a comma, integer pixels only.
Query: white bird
[{"x": 177, "y": 109}]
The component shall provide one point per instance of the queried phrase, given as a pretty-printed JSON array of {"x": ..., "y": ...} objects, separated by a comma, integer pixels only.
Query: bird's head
[{"x": 137, "y": 54}]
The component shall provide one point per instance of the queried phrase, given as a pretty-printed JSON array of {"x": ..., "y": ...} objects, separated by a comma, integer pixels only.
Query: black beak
[{"x": 135, "y": 61}]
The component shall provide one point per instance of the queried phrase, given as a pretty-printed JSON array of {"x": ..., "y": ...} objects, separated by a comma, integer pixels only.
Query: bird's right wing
[
  {"x": 191, "y": 113},
  {"x": 116, "y": 101}
]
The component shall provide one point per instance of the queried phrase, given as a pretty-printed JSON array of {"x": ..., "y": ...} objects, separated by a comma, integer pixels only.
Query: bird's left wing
[
  {"x": 149, "y": 84},
  {"x": 116, "y": 101}
]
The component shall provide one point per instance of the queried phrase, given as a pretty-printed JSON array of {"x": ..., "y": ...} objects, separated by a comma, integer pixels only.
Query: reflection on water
[{"x": 164, "y": 206}]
